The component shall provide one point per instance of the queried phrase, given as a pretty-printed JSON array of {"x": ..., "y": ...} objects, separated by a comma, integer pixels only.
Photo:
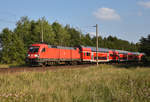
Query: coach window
[
  {"x": 88, "y": 54},
  {"x": 43, "y": 50},
  {"x": 84, "y": 53},
  {"x": 111, "y": 55}
]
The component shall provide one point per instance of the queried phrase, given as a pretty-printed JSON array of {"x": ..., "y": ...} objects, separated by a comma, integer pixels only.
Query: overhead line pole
[
  {"x": 97, "y": 44},
  {"x": 41, "y": 28},
  {"x": 42, "y": 31}
]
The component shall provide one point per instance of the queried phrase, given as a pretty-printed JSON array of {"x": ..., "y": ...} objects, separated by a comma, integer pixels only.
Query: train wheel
[{"x": 42, "y": 65}]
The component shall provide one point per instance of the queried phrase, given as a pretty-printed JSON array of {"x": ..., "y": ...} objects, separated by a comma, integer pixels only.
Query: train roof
[
  {"x": 53, "y": 46},
  {"x": 122, "y": 51},
  {"x": 99, "y": 49},
  {"x": 60, "y": 47},
  {"x": 135, "y": 53},
  {"x": 138, "y": 53}
]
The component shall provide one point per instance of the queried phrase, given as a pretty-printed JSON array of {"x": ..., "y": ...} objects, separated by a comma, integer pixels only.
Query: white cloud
[
  {"x": 92, "y": 34},
  {"x": 106, "y": 14},
  {"x": 144, "y": 4}
]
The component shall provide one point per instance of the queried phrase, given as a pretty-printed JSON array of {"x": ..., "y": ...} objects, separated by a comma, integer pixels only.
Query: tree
[
  {"x": 87, "y": 41},
  {"x": 12, "y": 47},
  {"x": 6, "y": 41},
  {"x": 145, "y": 46},
  {"x": 61, "y": 35},
  {"x": 75, "y": 36},
  {"x": 18, "y": 50},
  {"x": 40, "y": 26},
  {"x": 24, "y": 30}
]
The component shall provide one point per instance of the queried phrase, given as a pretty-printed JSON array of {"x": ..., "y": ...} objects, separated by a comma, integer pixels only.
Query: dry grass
[
  {"x": 103, "y": 84},
  {"x": 4, "y": 66}
]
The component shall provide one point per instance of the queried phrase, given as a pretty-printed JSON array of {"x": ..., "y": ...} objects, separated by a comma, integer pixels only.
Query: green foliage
[
  {"x": 6, "y": 41},
  {"x": 145, "y": 46},
  {"x": 115, "y": 43},
  {"x": 13, "y": 48},
  {"x": 110, "y": 42},
  {"x": 87, "y": 40},
  {"x": 92, "y": 84},
  {"x": 75, "y": 36},
  {"x": 62, "y": 37}
]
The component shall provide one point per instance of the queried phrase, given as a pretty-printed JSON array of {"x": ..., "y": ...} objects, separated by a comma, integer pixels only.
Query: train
[{"x": 44, "y": 54}]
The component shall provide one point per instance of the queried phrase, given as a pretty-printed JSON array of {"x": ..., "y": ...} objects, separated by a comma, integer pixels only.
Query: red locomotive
[
  {"x": 43, "y": 54},
  {"x": 47, "y": 54}
]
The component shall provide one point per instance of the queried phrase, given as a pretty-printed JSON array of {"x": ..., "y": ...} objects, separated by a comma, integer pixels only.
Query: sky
[{"x": 125, "y": 19}]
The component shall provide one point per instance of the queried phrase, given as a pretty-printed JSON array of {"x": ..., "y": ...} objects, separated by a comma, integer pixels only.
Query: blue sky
[{"x": 126, "y": 19}]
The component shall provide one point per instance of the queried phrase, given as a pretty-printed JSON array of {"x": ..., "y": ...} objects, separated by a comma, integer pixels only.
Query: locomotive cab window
[
  {"x": 43, "y": 50},
  {"x": 34, "y": 49},
  {"x": 88, "y": 54}
]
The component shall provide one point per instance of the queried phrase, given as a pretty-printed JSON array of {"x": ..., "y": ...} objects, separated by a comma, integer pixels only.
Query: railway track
[
  {"x": 55, "y": 67},
  {"x": 41, "y": 69}
]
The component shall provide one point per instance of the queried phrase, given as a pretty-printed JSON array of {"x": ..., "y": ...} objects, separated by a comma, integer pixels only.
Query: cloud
[
  {"x": 106, "y": 14},
  {"x": 92, "y": 34},
  {"x": 144, "y": 4}
]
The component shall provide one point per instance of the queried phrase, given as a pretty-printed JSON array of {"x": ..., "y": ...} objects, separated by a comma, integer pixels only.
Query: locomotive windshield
[{"x": 34, "y": 49}]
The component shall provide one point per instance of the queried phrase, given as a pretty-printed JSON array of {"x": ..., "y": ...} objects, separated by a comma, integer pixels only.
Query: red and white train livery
[{"x": 43, "y": 54}]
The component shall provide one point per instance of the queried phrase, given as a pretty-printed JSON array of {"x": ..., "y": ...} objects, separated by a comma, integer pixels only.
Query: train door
[
  {"x": 107, "y": 56},
  {"x": 92, "y": 56},
  {"x": 42, "y": 53}
]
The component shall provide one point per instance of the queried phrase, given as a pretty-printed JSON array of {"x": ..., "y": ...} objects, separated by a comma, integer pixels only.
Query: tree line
[{"x": 15, "y": 42}]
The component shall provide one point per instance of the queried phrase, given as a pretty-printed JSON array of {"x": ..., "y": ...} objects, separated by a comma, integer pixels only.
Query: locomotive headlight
[
  {"x": 36, "y": 55},
  {"x": 28, "y": 55}
]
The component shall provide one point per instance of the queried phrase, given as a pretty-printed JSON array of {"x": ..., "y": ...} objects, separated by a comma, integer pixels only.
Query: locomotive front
[{"x": 33, "y": 56}]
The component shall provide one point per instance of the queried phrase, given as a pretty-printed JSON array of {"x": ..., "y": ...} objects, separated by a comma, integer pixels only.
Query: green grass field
[{"x": 106, "y": 83}]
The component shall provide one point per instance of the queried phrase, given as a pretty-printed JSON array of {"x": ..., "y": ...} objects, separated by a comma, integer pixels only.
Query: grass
[
  {"x": 4, "y": 66},
  {"x": 11, "y": 65},
  {"x": 103, "y": 84}
]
